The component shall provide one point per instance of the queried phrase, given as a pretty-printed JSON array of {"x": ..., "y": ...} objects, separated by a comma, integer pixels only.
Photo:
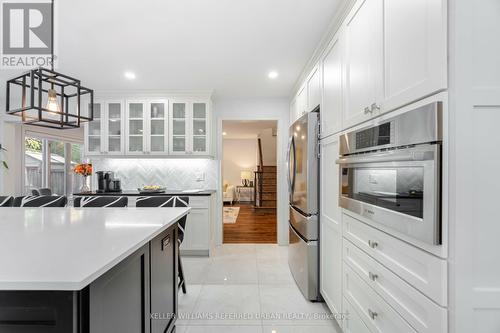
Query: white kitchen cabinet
[
  {"x": 330, "y": 226},
  {"x": 313, "y": 89},
  {"x": 301, "y": 102},
  {"x": 103, "y": 135},
  {"x": 94, "y": 131},
  {"x": 377, "y": 315},
  {"x": 424, "y": 271},
  {"x": 189, "y": 127},
  {"x": 157, "y": 127},
  {"x": 352, "y": 321},
  {"x": 332, "y": 75},
  {"x": 363, "y": 62},
  {"x": 135, "y": 128},
  {"x": 197, "y": 236},
  {"x": 417, "y": 309},
  {"x": 415, "y": 50},
  {"x": 293, "y": 110},
  {"x": 147, "y": 127}
]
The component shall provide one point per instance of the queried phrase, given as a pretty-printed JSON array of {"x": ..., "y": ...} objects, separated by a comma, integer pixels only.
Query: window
[{"x": 49, "y": 164}]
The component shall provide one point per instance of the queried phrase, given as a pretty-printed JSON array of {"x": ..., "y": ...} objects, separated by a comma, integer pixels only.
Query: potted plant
[
  {"x": 85, "y": 170},
  {"x": 4, "y": 163}
]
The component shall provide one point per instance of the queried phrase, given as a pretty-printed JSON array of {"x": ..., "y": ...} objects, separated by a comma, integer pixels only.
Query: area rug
[{"x": 231, "y": 214}]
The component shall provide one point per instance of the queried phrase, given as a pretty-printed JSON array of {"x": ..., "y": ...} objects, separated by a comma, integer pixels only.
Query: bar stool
[
  {"x": 100, "y": 201},
  {"x": 170, "y": 201}
]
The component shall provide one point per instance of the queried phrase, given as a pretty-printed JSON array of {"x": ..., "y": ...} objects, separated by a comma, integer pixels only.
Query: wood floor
[{"x": 251, "y": 226}]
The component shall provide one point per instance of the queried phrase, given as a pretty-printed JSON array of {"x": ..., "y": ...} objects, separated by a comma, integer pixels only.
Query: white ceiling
[
  {"x": 225, "y": 45},
  {"x": 245, "y": 129}
]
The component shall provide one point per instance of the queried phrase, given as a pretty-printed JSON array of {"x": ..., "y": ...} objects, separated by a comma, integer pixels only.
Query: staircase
[{"x": 264, "y": 186}]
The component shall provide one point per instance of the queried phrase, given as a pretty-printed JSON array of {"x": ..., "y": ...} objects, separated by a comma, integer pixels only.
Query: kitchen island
[{"x": 88, "y": 269}]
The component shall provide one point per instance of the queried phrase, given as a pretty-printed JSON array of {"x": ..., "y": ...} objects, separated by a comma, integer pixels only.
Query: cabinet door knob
[
  {"x": 372, "y": 276},
  {"x": 372, "y": 314},
  {"x": 375, "y": 107},
  {"x": 372, "y": 244},
  {"x": 367, "y": 110}
]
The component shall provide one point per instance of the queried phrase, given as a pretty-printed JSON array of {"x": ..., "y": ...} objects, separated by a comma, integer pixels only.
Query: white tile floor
[{"x": 247, "y": 288}]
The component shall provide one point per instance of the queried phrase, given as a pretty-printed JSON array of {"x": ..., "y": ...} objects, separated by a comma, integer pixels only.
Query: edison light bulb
[{"x": 52, "y": 104}]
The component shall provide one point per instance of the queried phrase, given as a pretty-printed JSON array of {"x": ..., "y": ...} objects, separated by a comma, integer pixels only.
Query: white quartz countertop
[{"x": 68, "y": 248}]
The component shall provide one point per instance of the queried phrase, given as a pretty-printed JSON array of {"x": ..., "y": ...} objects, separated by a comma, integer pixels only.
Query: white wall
[
  {"x": 257, "y": 109},
  {"x": 268, "y": 142},
  {"x": 238, "y": 155}
]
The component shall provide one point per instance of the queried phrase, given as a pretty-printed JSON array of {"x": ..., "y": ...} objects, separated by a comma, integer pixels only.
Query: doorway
[{"x": 249, "y": 177}]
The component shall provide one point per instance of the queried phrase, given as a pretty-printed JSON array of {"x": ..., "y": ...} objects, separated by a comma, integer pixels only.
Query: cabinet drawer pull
[
  {"x": 367, "y": 110},
  {"x": 375, "y": 107},
  {"x": 372, "y": 276},
  {"x": 372, "y": 314},
  {"x": 372, "y": 244},
  {"x": 165, "y": 242}
]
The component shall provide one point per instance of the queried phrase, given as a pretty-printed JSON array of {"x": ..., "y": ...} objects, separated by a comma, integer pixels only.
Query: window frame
[{"x": 46, "y": 161}]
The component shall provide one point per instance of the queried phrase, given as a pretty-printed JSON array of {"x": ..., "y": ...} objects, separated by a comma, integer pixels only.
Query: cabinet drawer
[
  {"x": 422, "y": 313},
  {"x": 199, "y": 202},
  {"x": 352, "y": 323},
  {"x": 420, "y": 269},
  {"x": 378, "y": 316}
]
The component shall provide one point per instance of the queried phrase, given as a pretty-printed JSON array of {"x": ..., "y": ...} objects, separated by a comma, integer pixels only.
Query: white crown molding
[
  {"x": 333, "y": 28},
  {"x": 153, "y": 93}
]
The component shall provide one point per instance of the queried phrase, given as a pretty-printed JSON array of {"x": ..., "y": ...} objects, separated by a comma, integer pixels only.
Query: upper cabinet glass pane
[
  {"x": 157, "y": 110},
  {"x": 179, "y": 110},
  {"x": 199, "y": 127},
  {"x": 114, "y": 111},
  {"x": 179, "y": 127},
  {"x": 199, "y": 110},
  {"x": 135, "y": 110},
  {"x": 114, "y": 127},
  {"x": 157, "y": 127}
]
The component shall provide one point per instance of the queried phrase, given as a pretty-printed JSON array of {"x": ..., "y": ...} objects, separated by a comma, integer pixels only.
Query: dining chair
[
  {"x": 40, "y": 201},
  {"x": 170, "y": 201},
  {"x": 41, "y": 191},
  {"x": 101, "y": 201},
  {"x": 6, "y": 201}
]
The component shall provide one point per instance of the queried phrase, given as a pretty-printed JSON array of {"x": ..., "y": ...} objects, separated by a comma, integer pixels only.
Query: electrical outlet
[{"x": 200, "y": 176}]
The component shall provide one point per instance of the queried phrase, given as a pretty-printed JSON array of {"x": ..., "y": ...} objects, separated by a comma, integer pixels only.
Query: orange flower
[{"x": 84, "y": 169}]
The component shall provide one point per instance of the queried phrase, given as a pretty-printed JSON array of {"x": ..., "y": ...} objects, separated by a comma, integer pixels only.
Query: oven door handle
[{"x": 392, "y": 156}]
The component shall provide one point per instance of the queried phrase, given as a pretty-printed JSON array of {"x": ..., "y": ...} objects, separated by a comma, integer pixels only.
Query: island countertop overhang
[{"x": 69, "y": 248}]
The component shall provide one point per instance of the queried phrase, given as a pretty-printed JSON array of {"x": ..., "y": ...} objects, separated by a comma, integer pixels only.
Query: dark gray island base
[{"x": 138, "y": 295}]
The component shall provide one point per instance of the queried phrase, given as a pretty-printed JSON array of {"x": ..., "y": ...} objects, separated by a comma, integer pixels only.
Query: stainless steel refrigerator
[{"x": 303, "y": 185}]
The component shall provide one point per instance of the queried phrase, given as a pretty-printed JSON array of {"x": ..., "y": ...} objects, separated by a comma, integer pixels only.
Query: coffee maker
[{"x": 106, "y": 182}]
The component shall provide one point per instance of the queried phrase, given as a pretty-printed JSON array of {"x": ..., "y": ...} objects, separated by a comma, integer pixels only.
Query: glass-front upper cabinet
[
  {"x": 93, "y": 144},
  {"x": 189, "y": 126},
  {"x": 114, "y": 130},
  {"x": 199, "y": 142},
  {"x": 179, "y": 128},
  {"x": 158, "y": 127},
  {"x": 135, "y": 127}
]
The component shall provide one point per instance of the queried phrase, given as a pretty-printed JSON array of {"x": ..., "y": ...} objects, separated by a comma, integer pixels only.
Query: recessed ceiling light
[
  {"x": 224, "y": 133},
  {"x": 272, "y": 74},
  {"x": 130, "y": 75}
]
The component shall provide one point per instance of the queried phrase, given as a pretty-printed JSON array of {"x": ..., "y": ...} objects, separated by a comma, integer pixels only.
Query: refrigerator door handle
[
  {"x": 291, "y": 166},
  {"x": 288, "y": 179}
]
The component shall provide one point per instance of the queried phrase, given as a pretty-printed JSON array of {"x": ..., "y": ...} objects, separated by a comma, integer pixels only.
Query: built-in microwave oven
[{"x": 391, "y": 173}]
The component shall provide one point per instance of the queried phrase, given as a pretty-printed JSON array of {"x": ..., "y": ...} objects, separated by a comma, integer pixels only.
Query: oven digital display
[{"x": 374, "y": 136}]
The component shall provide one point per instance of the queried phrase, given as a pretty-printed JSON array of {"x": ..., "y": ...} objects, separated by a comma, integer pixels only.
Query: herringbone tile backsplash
[{"x": 178, "y": 174}]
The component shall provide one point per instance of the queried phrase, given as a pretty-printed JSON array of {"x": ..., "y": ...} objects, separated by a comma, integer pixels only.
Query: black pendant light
[{"x": 48, "y": 98}]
